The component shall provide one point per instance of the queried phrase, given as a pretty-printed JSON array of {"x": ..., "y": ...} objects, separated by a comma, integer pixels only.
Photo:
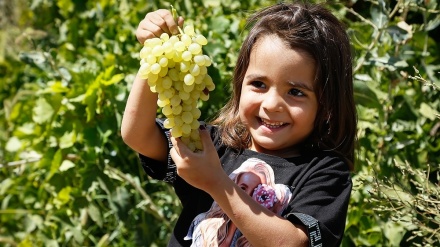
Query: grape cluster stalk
[{"x": 176, "y": 69}]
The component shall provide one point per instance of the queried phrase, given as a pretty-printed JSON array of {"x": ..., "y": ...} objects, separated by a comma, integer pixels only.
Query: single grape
[
  {"x": 186, "y": 39},
  {"x": 179, "y": 46},
  {"x": 199, "y": 60},
  {"x": 176, "y": 131},
  {"x": 194, "y": 48},
  {"x": 189, "y": 30},
  {"x": 189, "y": 79},
  {"x": 194, "y": 69},
  {"x": 186, "y": 129},
  {"x": 187, "y": 117},
  {"x": 186, "y": 55},
  {"x": 168, "y": 123},
  {"x": 201, "y": 40}
]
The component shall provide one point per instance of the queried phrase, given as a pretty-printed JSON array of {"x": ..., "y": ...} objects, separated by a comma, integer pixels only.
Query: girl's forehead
[
  {"x": 271, "y": 57},
  {"x": 267, "y": 40}
]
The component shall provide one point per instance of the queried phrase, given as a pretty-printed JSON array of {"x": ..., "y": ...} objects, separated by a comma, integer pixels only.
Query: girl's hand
[
  {"x": 157, "y": 22},
  {"x": 201, "y": 169}
]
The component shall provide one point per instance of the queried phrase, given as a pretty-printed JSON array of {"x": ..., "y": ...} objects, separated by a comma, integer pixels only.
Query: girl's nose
[{"x": 272, "y": 101}]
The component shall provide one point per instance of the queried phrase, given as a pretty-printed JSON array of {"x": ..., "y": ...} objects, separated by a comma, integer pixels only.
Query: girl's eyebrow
[
  {"x": 256, "y": 77},
  {"x": 302, "y": 85},
  {"x": 297, "y": 84}
]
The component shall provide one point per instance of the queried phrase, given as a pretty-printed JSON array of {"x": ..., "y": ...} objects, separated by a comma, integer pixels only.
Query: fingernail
[{"x": 202, "y": 125}]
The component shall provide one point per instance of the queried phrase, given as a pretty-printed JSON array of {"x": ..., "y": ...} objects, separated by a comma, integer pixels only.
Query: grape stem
[{"x": 176, "y": 17}]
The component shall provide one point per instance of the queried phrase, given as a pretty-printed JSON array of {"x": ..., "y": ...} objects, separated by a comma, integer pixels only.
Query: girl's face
[{"x": 278, "y": 105}]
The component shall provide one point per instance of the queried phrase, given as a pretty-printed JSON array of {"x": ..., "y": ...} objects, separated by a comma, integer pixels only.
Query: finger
[
  {"x": 180, "y": 22},
  {"x": 170, "y": 22},
  {"x": 174, "y": 154},
  {"x": 154, "y": 24},
  {"x": 147, "y": 30},
  {"x": 205, "y": 137},
  {"x": 163, "y": 19},
  {"x": 174, "y": 142},
  {"x": 180, "y": 147}
]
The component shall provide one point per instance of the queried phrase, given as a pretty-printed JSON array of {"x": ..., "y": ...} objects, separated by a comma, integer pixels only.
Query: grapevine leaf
[
  {"x": 55, "y": 164},
  {"x": 13, "y": 144},
  {"x": 42, "y": 111},
  {"x": 115, "y": 79},
  {"x": 95, "y": 214},
  {"x": 67, "y": 140},
  {"x": 63, "y": 196},
  {"x": 365, "y": 96},
  {"x": 428, "y": 112},
  {"x": 66, "y": 165}
]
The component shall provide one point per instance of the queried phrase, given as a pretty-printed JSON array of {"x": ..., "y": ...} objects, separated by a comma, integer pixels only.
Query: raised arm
[{"x": 139, "y": 130}]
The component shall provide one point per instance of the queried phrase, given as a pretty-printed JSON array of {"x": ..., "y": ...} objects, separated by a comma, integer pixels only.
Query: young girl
[{"x": 292, "y": 110}]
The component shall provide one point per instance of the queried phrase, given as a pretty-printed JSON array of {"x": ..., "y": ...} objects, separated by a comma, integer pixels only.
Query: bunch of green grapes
[{"x": 176, "y": 69}]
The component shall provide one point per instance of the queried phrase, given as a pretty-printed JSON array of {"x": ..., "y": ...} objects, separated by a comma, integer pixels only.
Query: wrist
[{"x": 219, "y": 184}]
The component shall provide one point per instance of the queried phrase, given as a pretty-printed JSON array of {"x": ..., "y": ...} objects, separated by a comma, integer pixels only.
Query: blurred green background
[{"x": 66, "y": 67}]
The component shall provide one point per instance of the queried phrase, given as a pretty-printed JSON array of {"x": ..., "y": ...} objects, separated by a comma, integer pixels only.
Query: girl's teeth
[{"x": 272, "y": 124}]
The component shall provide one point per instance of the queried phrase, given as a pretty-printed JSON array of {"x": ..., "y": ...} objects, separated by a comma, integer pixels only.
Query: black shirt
[{"x": 318, "y": 184}]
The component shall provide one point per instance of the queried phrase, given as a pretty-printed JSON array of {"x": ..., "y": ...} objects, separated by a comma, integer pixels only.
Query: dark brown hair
[{"x": 316, "y": 31}]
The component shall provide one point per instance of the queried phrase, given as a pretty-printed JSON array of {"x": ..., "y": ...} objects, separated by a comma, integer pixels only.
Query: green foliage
[
  {"x": 418, "y": 212},
  {"x": 396, "y": 46},
  {"x": 67, "y": 179}
]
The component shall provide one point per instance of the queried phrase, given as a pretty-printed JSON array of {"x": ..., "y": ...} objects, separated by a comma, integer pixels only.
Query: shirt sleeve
[
  {"x": 157, "y": 169},
  {"x": 320, "y": 201},
  {"x": 167, "y": 171}
]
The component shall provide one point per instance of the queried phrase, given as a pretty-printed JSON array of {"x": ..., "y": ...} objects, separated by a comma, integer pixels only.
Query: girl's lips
[{"x": 271, "y": 124}]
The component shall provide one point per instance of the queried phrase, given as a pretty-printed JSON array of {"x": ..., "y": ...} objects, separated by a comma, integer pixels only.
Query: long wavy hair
[{"x": 316, "y": 31}]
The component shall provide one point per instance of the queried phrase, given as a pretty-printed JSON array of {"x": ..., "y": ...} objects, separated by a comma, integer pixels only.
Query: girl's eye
[
  {"x": 296, "y": 92},
  {"x": 258, "y": 84}
]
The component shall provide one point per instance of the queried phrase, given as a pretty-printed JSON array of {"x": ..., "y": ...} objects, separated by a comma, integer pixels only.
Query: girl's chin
[{"x": 262, "y": 144}]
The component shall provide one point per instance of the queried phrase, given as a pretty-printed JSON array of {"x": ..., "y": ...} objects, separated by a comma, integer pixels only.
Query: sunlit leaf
[
  {"x": 95, "y": 214},
  {"x": 433, "y": 24},
  {"x": 33, "y": 222},
  {"x": 13, "y": 144},
  {"x": 26, "y": 243},
  {"x": 67, "y": 140},
  {"x": 55, "y": 163},
  {"x": 212, "y": 3},
  {"x": 379, "y": 16},
  {"x": 42, "y": 111},
  {"x": 115, "y": 79},
  {"x": 398, "y": 34},
  {"x": 66, "y": 165},
  {"x": 5, "y": 184},
  {"x": 428, "y": 112},
  {"x": 63, "y": 196}
]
